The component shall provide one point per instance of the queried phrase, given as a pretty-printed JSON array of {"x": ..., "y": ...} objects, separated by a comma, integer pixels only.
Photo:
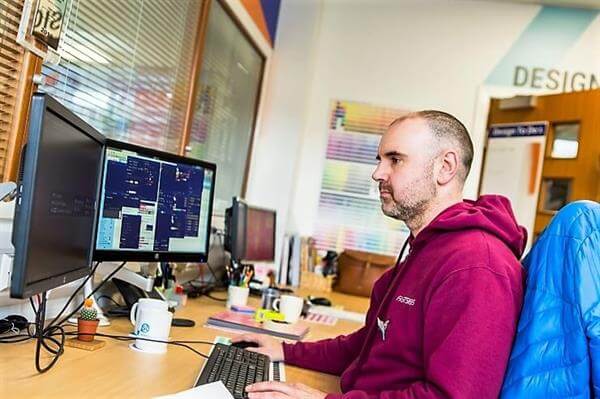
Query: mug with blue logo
[
  {"x": 144, "y": 303},
  {"x": 153, "y": 324}
]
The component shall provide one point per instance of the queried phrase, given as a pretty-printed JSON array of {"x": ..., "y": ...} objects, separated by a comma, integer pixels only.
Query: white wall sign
[
  {"x": 48, "y": 21},
  {"x": 513, "y": 167}
]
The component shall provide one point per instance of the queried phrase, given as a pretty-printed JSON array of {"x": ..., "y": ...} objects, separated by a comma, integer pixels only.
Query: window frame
[
  {"x": 197, "y": 69},
  {"x": 543, "y": 194},
  {"x": 550, "y": 139},
  {"x": 32, "y": 66}
]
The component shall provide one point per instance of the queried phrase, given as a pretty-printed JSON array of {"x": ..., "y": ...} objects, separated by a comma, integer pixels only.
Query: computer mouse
[
  {"x": 320, "y": 301},
  {"x": 245, "y": 344}
]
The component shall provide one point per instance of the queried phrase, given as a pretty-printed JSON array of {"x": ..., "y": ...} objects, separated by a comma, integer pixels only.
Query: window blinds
[
  {"x": 126, "y": 66},
  {"x": 11, "y": 58},
  {"x": 226, "y": 103},
  {"x": 349, "y": 212}
]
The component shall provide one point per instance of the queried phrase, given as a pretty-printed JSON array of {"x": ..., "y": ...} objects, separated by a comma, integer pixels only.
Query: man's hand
[
  {"x": 281, "y": 390},
  {"x": 266, "y": 345}
]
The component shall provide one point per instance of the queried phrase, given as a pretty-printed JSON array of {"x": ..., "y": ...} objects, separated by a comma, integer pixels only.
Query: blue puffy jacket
[{"x": 557, "y": 349}]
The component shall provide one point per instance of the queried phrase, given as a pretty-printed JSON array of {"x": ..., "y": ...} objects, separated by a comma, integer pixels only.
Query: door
[{"x": 570, "y": 167}]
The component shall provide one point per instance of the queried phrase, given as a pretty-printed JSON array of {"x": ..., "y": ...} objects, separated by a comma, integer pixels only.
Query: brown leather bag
[{"x": 358, "y": 271}]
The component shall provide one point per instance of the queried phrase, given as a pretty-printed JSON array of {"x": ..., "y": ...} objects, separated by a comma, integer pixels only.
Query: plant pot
[{"x": 88, "y": 328}]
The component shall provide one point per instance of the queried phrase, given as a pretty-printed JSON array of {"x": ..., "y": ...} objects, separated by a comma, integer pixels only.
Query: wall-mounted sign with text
[
  {"x": 526, "y": 129},
  {"x": 554, "y": 79},
  {"x": 49, "y": 18}
]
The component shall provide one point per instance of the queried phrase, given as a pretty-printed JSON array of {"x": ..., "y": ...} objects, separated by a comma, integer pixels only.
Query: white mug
[
  {"x": 290, "y": 306},
  {"x": 146, "y": 303},
  {"x": 154, "y": 324},
  {"x": 237, "y": 296}
]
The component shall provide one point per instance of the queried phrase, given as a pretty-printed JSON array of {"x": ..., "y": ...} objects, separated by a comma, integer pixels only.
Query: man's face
[{"x": 405, "y": 170}]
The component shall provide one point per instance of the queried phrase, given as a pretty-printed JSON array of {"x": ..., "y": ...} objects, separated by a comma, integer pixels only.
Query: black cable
[
  {"x": 18, "y": 336},
  {"x": 48, "y": 335},
  {"x": 45, "y": 336},
  {"x": 75, "y": 293},
  {"x": 108, "y": 277},
  {"x": 42, "y": 334},
  {"x": 195, "y": 342},
  {"x": 21, "y": 338},
  {"x": 212, "y": 272},
  {"x": 132, "y": 337},
  {"x": 182, "y": 344},
  {"x": 214, "y": 298},
  {"x": 32, "y": 305}
]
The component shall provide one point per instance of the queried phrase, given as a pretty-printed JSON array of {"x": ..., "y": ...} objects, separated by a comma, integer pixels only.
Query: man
[{"x": 441, "y": 322}]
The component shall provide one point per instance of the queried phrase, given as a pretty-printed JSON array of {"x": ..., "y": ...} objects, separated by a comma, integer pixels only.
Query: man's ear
[{"x": 449, "y": 164}]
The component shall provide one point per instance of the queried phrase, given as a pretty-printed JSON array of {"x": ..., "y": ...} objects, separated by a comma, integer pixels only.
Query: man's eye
[{"x": 396, "y": 161}]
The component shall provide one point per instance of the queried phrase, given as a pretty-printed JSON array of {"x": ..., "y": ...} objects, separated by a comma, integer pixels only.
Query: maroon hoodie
[{"x": 440, "y": 323}]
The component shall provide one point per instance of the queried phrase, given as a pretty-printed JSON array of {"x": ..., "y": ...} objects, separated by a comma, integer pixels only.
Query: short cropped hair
[{"x": 446, "y": 127}]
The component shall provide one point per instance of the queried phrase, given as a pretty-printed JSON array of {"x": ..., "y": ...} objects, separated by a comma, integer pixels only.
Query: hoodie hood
[{"x": 490, "y": 213}]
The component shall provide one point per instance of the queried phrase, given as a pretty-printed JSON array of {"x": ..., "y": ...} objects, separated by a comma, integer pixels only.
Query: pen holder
[{"x": 237, "y": 296}]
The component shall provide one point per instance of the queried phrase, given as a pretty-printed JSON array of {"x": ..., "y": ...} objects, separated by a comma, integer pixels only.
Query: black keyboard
[{"x": 236, "y": 368}]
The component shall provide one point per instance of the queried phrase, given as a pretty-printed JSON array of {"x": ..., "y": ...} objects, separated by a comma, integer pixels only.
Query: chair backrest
[{"x": 551, "y": 356}]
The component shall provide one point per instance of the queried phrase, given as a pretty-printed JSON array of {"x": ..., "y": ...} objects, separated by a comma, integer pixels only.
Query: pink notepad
[{"x": 246, "y": 322}]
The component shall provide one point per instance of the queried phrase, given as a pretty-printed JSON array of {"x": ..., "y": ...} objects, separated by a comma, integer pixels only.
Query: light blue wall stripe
[{"x": 544, "y": 42}]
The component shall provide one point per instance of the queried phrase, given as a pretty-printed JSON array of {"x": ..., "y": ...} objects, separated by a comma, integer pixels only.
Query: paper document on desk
[{"x": 214, "y": 390}]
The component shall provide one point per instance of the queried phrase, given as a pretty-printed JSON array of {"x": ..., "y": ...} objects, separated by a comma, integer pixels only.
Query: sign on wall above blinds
[
  {"x": 48, "y": 21},
  {"x": 11, "y": 58},
  {"x": 125, "y": 67},
  {"x": 349, "y": 213}
]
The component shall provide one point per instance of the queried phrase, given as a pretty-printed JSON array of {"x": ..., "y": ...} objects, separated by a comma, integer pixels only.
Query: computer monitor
[
  {"x": 154, "y": 206},
  {"x": 55, "y": 210},
  {"x": 260, "y": 235},
  {"x": 250, "y": 232}
]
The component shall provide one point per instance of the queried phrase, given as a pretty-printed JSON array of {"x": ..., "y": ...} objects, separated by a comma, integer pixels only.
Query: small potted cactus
[{"x": 87, "y": 321}]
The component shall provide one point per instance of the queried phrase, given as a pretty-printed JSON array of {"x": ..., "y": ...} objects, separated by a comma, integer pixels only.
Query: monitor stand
[
  {"x": 132, "y": 293},
  {"x": 167, "y": 277},
  {"x": 126, "y": 276}
]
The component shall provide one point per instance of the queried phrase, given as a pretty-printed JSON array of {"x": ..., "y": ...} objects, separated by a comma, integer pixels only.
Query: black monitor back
[
  {"x": 56, "y": 205},
  {"x": 235, "y": 229}
]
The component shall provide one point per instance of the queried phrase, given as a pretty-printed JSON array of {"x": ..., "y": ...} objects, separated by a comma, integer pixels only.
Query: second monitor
[
  {"x": 250, "y": 232},
  {"x": 154, "y": 206}
]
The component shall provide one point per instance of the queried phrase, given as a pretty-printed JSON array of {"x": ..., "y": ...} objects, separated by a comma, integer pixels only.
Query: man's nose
[{"x": 379, "y": 173}]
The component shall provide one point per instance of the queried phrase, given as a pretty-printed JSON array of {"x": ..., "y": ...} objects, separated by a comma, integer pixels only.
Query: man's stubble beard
[{"x": 412, "y": 208}]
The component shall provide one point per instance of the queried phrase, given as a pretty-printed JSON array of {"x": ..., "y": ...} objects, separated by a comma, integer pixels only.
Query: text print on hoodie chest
[
  {"x": 402, "y": 316},
  {"x": 405, "y": 300},
  {"x": 400, "y": 325}
]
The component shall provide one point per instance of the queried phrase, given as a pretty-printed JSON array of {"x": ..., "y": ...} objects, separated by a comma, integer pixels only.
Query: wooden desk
[{"x": 116, "y": 371}]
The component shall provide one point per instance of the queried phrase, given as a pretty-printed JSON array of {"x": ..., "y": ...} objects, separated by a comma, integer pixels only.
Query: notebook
[{"x": 246, "y": 322}]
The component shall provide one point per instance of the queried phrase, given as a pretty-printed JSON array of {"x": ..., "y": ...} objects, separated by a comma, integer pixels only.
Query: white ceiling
[{"x": 563, "y": 3}]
